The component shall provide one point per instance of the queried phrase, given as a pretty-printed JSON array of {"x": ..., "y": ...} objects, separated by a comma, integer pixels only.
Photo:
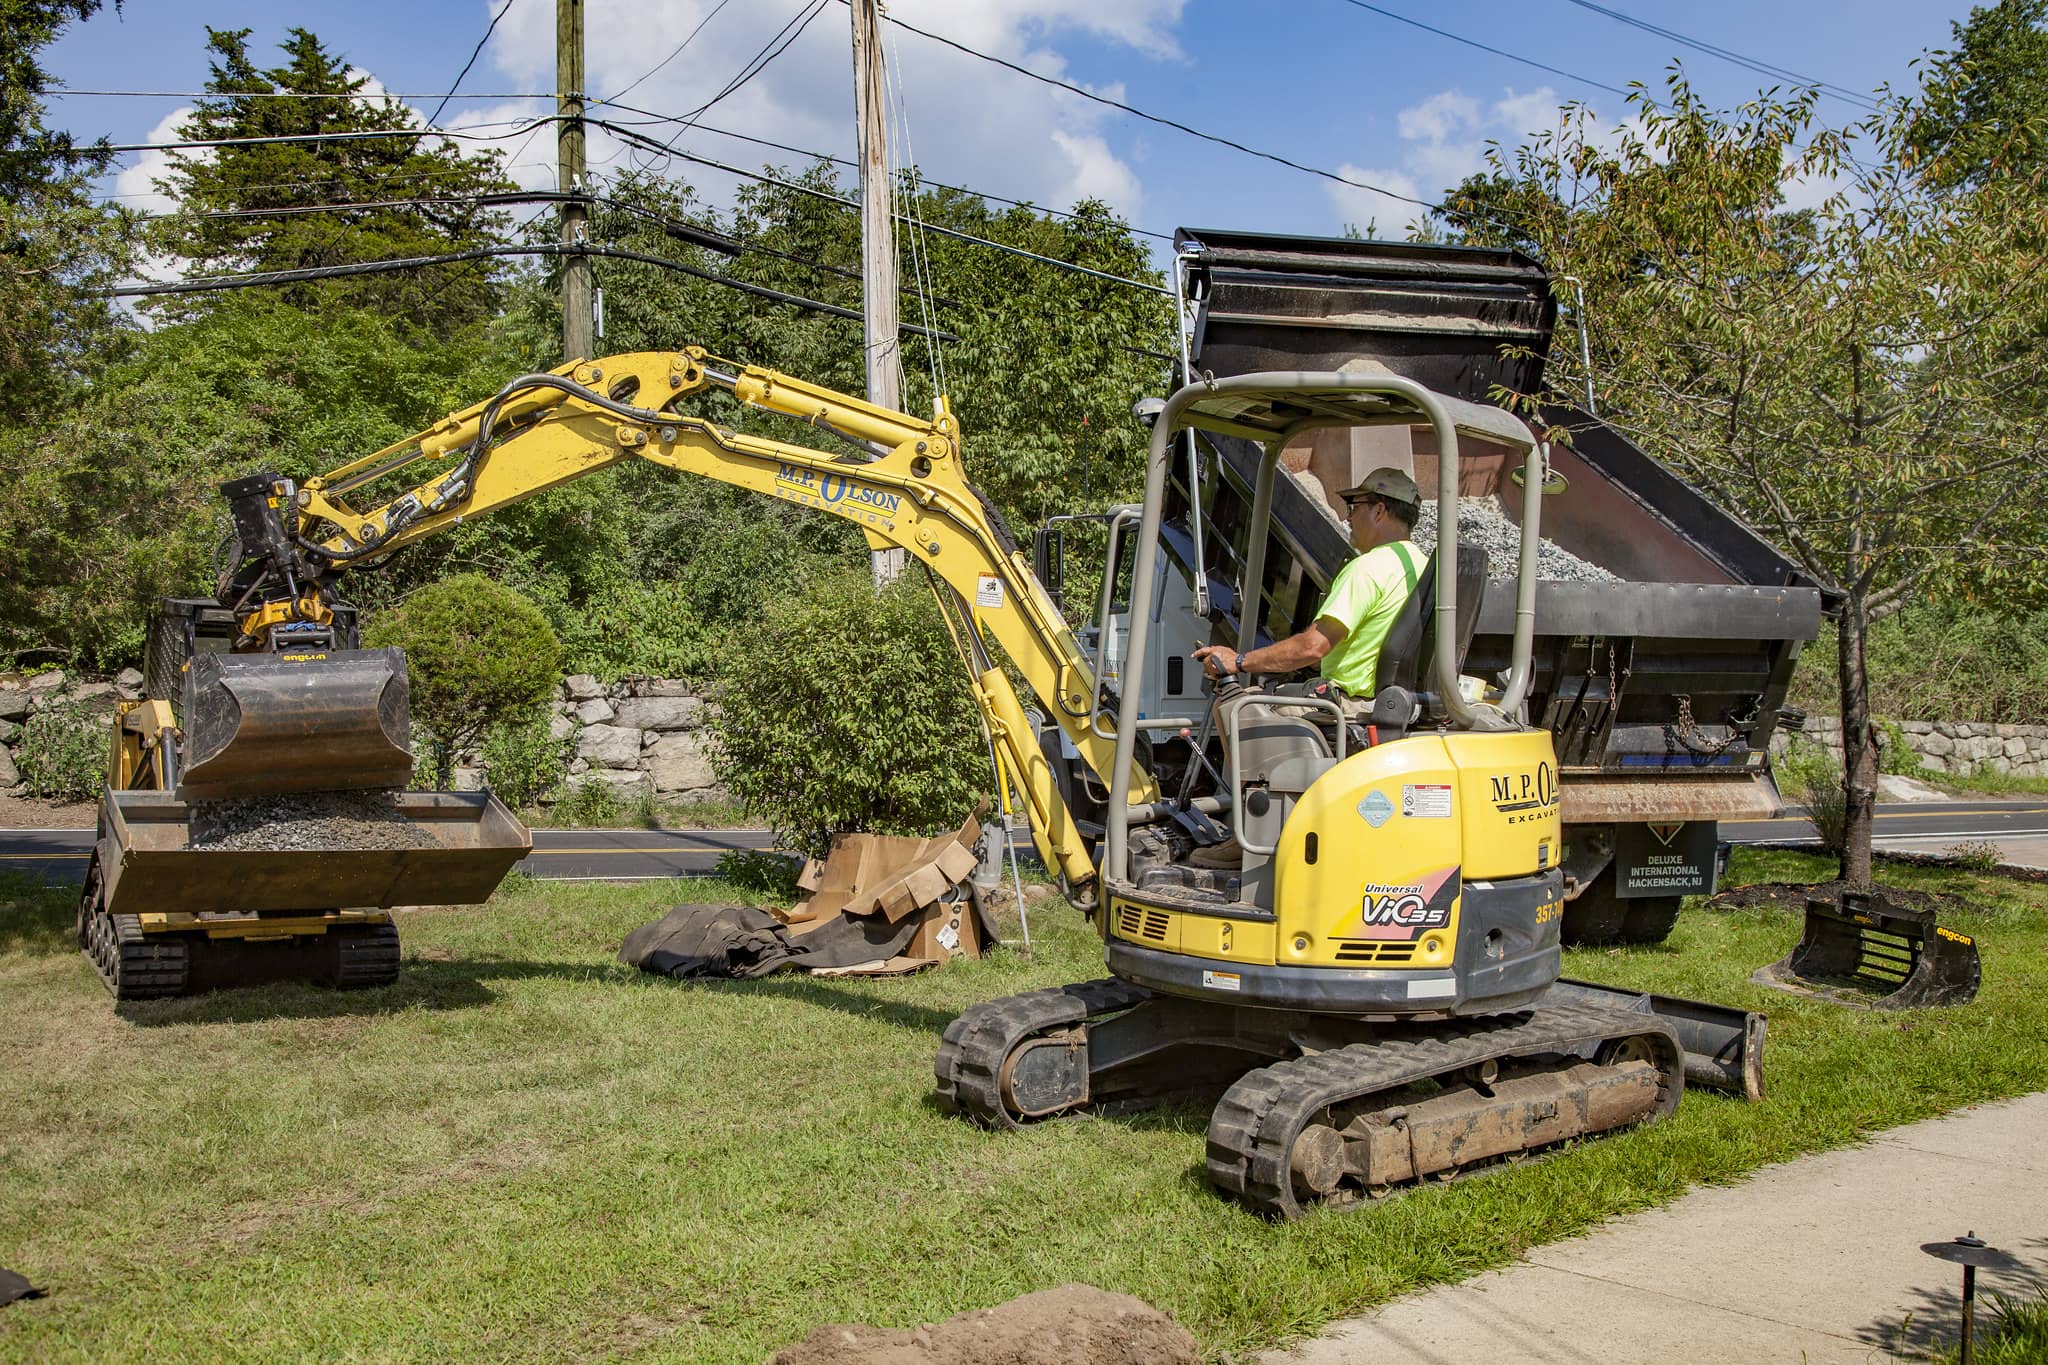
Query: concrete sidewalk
[{"x": 1817, "y": 1260}]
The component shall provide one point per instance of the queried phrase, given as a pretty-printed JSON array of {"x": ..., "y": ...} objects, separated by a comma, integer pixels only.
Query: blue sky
[{"x": 1323, "y": 82}]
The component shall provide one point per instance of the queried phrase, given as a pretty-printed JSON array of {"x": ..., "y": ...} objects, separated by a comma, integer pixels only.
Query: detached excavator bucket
[
  {"x": 158, "y": 855},
  {"x": 1868, "y": 951},
  {"x": 323, "y": 720}
]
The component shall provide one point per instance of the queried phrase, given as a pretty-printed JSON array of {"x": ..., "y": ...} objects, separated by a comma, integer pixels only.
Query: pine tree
[{"x": 293, "y": 205}]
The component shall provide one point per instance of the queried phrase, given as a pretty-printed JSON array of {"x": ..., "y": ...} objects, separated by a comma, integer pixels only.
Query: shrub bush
[
  {"x": 1811, "y": 776},
  {"x": 524, "y": 762},
  {"x": 479, "y": 654},
  {"x": 588, "y": 803},
  {"x": 844, "y": 709},
  {"x": 62, "y": 752}
]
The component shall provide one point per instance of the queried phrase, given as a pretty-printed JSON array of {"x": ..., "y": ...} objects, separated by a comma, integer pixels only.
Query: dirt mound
[
  {"x": 1075, "y": 1324},
  {"x": 1793, "y": 896}
]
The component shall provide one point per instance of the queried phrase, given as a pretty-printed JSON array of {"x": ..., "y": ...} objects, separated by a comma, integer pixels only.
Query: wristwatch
[{"x": 1240, "y": 663}]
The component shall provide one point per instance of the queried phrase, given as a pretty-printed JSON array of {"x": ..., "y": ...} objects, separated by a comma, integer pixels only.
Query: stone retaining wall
[
  {"x": 1960, "y": 746},
  {"x": 638, "y": 737}
]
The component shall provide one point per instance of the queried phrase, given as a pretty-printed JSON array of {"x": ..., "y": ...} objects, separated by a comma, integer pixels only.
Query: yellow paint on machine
[
  {"x": 1396, "y": 816},
  {"x": 1384, "y": 819}
]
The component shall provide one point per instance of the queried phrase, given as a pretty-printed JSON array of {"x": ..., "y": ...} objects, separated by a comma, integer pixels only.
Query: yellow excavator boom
[{"x": 901, "y": 481}]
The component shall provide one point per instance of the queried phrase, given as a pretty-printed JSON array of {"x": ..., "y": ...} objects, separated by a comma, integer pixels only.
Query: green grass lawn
[{"x": 525, "y": 1151}]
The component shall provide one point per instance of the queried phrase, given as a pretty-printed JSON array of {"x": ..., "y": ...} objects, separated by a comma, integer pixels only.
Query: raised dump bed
[{"x": 1662, "y": 688}]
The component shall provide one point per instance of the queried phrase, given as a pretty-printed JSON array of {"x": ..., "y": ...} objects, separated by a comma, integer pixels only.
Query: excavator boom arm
[{"x": 901, "y": 481}]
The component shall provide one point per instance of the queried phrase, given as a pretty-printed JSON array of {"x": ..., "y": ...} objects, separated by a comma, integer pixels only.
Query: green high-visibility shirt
[{"x": 1366, "y": 596}]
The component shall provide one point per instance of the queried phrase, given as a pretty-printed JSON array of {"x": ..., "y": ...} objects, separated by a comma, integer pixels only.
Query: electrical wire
[
  {"x": 1496, "y": 51},
  {"x": 854, "y": 165},
  {"x": 474, "y": 53},
  {"x": 755, "y": 65},
  {"x": 844, "y": 202},
  {"x": 305, "y": 274},
  {"x": 290, "y": 95},
  {"x": 1757, "y": 65},
  {"x": 1159, "y": 119},
  {"x": 285, "y": 139},
  {"x": 650, "y": 72}
]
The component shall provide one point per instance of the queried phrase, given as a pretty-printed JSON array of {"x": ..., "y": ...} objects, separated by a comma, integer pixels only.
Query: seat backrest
[{"x": 1405, "y": 655}]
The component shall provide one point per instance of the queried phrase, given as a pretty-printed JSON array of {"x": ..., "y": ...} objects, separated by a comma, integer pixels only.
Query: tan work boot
[{"x": 1228, "y": 854}]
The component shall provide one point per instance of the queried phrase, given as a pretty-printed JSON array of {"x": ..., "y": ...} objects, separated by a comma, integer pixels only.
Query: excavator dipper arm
[{"x": 901, "y": 481}]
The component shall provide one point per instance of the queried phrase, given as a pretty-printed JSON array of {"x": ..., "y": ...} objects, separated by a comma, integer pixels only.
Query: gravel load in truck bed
[
  {"x": 1481, "y": 522},
  {"x": 306, "y": 823}
]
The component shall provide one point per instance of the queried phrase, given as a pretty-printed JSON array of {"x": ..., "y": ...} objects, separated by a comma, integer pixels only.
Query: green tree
[
  {"x": 1983, "y": 109},
  {"x": 111, "y": 503},
  {"x": 480, "y": 656},
  {"x": 291, "y": 205},
  {"x": 845, "y": 710},
  {"x": 1843, "y": 377},
  {"x": 56, "y": 245}
]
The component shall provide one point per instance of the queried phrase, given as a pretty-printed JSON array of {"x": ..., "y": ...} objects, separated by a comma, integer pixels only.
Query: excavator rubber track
[
  {"x": 1550, "y": 1063},
  {"x": 977, "y": 1044},
  {"x": 1255, "y": 1128}
]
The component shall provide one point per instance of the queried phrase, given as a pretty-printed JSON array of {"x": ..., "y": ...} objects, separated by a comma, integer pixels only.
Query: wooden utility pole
[
  {"x": 877, "y": 235},
  {"x": 577, "y": 343}
]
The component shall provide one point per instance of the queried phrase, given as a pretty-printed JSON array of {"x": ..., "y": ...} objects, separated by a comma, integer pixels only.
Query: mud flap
[{"x": 1869, "y": 952}]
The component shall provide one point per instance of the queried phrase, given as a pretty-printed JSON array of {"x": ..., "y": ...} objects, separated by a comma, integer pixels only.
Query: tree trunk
[{"x": 1859, "y": 747}]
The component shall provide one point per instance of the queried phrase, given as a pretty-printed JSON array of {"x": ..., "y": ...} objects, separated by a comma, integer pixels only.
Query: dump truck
[{"x": 1665, "y": 630}]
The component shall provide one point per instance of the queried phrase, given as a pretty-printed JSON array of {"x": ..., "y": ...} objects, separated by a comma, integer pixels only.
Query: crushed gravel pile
[
  {"x": 1481, "y": 522},
  {"x": 309, "y": 822}
]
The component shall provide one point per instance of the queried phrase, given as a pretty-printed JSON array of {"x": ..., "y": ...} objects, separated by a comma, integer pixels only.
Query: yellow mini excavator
[{"x": 1375, "y": 992}]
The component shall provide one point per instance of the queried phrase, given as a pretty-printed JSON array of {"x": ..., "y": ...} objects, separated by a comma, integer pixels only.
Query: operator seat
[{"x": 1411, "y": 641}]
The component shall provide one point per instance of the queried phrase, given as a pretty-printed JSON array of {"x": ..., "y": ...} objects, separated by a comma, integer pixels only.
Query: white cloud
[
  {"x": 968, "y": 122},
  {"x": 136, "y": 184},
  {"x": 1443, "y": 140}
]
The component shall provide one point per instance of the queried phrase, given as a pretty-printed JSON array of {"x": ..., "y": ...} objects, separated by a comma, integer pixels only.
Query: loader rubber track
[
  {"x": 134, "y": 965},
  {"x": 970, "y": 1060},
  {"x": 1254, "y": 1125},
  {"x": 365, "y": 958}
]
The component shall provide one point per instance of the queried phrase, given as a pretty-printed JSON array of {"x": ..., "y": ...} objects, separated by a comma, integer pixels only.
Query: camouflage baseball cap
[{"x": 1386, "y": 482}]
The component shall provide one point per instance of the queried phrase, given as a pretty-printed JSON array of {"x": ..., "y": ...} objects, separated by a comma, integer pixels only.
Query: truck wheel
[
  {"x": 1650, "y": 919},
  {"x": 1596, "y": 919}
]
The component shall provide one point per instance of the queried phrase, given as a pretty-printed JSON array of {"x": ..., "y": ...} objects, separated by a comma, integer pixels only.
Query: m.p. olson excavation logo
[{"x": 1525, "y": 796}]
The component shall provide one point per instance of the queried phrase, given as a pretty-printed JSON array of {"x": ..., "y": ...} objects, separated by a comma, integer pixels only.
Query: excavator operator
[{"x": 1365, "y": 597}]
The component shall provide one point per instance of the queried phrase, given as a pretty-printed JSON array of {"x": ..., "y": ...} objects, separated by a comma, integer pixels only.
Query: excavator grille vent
[
  {"x": 1135, "y": 923},
  {"x": 1375, "y": 951}
]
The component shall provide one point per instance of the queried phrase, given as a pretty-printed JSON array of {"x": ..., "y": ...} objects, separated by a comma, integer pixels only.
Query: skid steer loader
[{"x": 255, "y": 825}]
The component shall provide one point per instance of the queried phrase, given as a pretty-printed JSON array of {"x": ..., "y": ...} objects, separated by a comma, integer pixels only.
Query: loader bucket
[
  {"x": 1870, "y": 952},
  {"x": 323, "y": 720},
  {"x": 426, "y": 848}
]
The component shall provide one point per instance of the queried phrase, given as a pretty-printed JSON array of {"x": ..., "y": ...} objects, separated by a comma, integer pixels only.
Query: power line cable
[
  {"x": 844, "y": 202},
  {"x": 261, "y": 279},
  {"x": 475, "y": 52},
  {"x": 650, "y": 72},
  {"x": 295, "y": 95},
  {"x": 852, "y": 164},
  {"x": 1755, "y": 64},
  {"x": 1159, "y": 119},
  {"x": 755, "y": 65},
  {"x": 283, "y": 139},
  {"x": 1483, "y": 47}
]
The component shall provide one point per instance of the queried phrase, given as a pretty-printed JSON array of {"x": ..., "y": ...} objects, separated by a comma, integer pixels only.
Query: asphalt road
[
  {"x": 2020, "y": 828},
  {"x": 60, "y": 855}
]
